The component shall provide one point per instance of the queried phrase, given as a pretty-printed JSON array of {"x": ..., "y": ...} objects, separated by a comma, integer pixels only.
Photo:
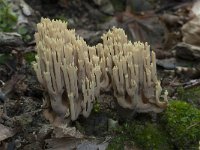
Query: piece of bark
[
  {"x": 9, "y": 41},
  {"x": 187, "y": 51},
  {"x": 160, "y": 54}
]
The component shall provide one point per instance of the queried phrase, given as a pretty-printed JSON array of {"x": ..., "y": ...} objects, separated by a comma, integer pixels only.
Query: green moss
[
  {"x": 29, "y": 57},
  {"x": 79, "y": 127},
  {"x": 117, "y": 143},
  {"x": 190, "y": 95},
  {"x": 61, "y": 17},
  {"x": 23, "y": 30},
  {"x": 96, "y": 107},
  {"x": 4, "y": 58},
  {"x": 120, "y": 137},
  {"x": 150, "y": 136},
  {"x": 182, "y": 122},
  {"x": 181, "y": 94},
  {"x": 118, "y": 5},
  {"x": 146, "y": 136},
  {"x": 7, "y": 18}
]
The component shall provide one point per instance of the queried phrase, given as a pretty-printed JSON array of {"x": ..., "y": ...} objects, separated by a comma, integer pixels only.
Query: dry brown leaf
[
  {"x": 144, "y": 28},
  {"x": 171, "y": 20},
  {"x": 9, "y": 85},
  {"x": 160, "y": 54},
  {"x": 70, "y": 138},
  {"x": 191, "y": 31},
  {"x": 5, "y": 132}
]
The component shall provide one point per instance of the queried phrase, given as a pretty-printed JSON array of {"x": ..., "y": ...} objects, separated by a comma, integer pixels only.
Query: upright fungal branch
[
  {"x": 132, "y": 68},
  {"x": 73, "y": 73},
  {"x": 68, "y": 70}
]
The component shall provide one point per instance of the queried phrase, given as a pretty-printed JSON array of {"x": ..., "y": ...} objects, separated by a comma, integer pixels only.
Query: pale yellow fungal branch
[
  {"x": 132, "y": 68},
  {"x": 73, "y": 73},
  {"x": 68, "y": 70}
]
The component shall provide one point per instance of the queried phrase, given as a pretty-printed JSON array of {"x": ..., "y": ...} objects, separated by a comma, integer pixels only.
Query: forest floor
[{"x": 166, "y": 26}]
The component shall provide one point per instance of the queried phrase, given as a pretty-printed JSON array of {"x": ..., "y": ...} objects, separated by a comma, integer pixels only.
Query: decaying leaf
[
  {"x": 191, "y": 31},
  {"x": 171, "y": 20},
  {"x": 69, "y": 138},
  {"x": 88, "y": 145},
  {"x": 5, "y": 132},
  {"x": 64, "y": 131},
  {"x": 45, "y": 131},
  {"x": 62, "y": 143},
  {"x": 187, "y": 51},
  {"x": 74, "y": 144},
  {"x": 145, "y": 28},
  {"x": 9, "y": 85},
  {"x": 160, "y": 54}
]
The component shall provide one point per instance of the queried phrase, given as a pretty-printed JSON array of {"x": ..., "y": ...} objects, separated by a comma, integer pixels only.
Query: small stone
[
  {"x": 191, "y": 31},
  {"x": 18, "y": 143},
  {"x": 187, "y": 51},
  {"x": 112, "y": 124}
]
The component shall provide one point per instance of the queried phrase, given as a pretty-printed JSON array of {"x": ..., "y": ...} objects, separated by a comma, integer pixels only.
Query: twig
[
  {"x": 192, "y": 84},
  {"x": 193, "y": 125}
]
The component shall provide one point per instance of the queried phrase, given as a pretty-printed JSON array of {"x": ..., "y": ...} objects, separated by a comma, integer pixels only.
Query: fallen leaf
[
  {"x": 64, "y": 131},
  {"x": 5, "y": 132},
  {"x": 191, "y": 31},
  {"x": 89, "y": 145},
  {"x": 62, "y": 143},
  {"x": 144, "y": 28},
  {"x": 9, "y": 85},
  {"x": 171, "y": 20},
  {"x": 75, "y": 144},
  {"x": 161, "y": 54}
]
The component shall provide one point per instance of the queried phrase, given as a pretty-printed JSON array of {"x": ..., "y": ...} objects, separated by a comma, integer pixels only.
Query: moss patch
[
  {"x": 8, "y": 19},
  {"x": 4, "y": 58},
  {"x": 29, "y": 57},
  {"x": 190, "y": 95},
  {"x": 182, "y": 122},
  {"x": 24, "y": 31},
  {"x": 145, "y": 136},
  {"x": 118, "y": 5}
]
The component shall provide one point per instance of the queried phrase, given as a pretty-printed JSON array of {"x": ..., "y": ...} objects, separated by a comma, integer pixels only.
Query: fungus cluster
[{"x": 74, "y": 74}]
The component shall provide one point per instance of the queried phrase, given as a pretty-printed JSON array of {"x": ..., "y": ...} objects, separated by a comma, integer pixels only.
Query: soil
[{"x": 22, "y": 109}]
